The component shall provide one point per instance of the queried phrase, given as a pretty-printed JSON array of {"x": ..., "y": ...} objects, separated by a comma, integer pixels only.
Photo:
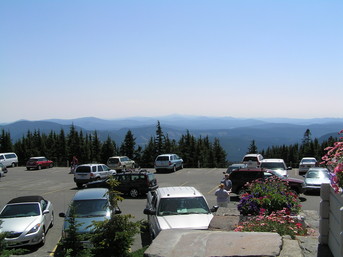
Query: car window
[
  {"x": 95, "y": 207},
  {"x": 273, "y": 165},
  {"x": 113, "y": 160},
  {"x": 105, "y": 168},
  {"x": 182, "y": 205},
  {"x": 83, "y": 169},
  {"x": 163, "y": 158},
  {"x": 2, "y": 157},
  {"x": 20, "y": 210},
  {"x": 100, "y": 168},
  {"x": 93, "y": 168}
]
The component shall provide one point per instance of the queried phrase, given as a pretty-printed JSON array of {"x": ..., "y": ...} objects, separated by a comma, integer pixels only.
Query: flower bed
[{"x": 279, "y": 222}]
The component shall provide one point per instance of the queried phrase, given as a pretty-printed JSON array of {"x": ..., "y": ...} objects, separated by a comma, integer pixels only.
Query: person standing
[
  {"x": 223, "y": 196},
  {"x": 227, "y": 182}
]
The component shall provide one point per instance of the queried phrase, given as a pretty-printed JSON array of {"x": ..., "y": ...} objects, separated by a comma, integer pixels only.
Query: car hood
[
  {"x": 191, "y": 221},
  {"x": 294, "y": 180},
  {"x": 19, "y": 224},
  {"x": 84, "y": 224},
  {"x": 317, "y": 180}
]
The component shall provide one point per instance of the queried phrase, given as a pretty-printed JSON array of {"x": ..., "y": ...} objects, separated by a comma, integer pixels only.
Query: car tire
[
  {"x": 51, "y": 165},
  {"x": 43, "y": 238},
  {"x": 13, "y": 165},
  {"x": 174, "y": 169},
  {"x": 28, "y": 168},
  {"x": 79, "y": 185},
  {"x": 134, "y": 193},
  {"x": 39, "y": 167}
]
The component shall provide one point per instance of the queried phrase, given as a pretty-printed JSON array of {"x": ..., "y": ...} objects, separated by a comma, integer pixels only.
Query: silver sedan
[{"x": 26, "y": 220}]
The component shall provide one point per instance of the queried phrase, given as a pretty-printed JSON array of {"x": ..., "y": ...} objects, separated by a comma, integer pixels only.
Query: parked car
[
  {"x": 236, "y": 167},
  {"x": 39, "y": 163},
  {"x": 88, "y": 205},
  {"x": 133, "y": 184},
  {"x": 3, "y": 168},
  {"x": 27, "y": 220},
  {"x": 120, "y": 163},
  {"x": 175, "y": 208},
  {"x": 277, "y": 165},
  {"x": 89, "y": 172},
  {"x": 314, "y": 178},
  {"x": 170, "y": 162},
  {"x": 240, "y": 177},
  {"x": 9, "y": 159},
  {"x": 252, "y": 160},
  {"x": 306, "y": 163}
]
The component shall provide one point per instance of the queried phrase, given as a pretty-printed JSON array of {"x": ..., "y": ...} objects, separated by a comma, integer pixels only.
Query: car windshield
[
  {"x": 182, "y": 205},
  {"x": 317, "y": 174},
  {"x": 20, "y": 210},
  {"x": 273, "y": 165},
  {"x": 308, "y": 160},
  {"x": 90, "y": 208}
]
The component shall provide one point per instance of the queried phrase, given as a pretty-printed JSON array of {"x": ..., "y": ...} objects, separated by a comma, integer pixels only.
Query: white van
[
  {"x": 252, "y": 160},
  {"x": 9, "y": 159}
]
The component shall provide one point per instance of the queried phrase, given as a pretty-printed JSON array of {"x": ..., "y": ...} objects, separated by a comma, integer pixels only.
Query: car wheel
[
  {"x": 174, "y": 169},
  {"x": 181, "y": 166},
  {"x": 79, "y": 185},
  {"x": 43, "y": 237},
  {"x": 13, "y": 165},
  {"x": 50, "y": 166},
  {"x": 39, "y": 167},
  {"x": 28, "y": 168},
  {"x": 134, "y": 192}
]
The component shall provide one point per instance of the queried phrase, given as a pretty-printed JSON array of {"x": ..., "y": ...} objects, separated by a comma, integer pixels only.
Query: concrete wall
[{"x": 331, "y": 220}]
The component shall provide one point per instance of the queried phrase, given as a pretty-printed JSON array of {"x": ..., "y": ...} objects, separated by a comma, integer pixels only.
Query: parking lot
[{"x": 57, "y": 185}]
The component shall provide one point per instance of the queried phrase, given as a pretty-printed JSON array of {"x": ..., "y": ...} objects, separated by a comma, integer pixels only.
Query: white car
[
  {"x": 170, "y": 162},
  {"x": 121, "y": 163},
  {"x": 177, "y": 208},
  {"x": 278, "y": 165},
  {"x": 306, "y": 163},
  {"x": 27, "y": 220},
  {"x": 89, "y": 172},
  {"x": 252, "y": 160}
]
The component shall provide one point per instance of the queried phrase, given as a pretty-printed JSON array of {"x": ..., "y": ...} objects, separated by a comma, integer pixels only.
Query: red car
[{"x": 39, "y": 163}]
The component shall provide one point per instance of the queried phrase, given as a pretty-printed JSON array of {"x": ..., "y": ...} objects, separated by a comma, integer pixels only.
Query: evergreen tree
[
  {"x": 159, "y": 140},
  {"x": 252, "y": 148},
  {"x": 5, "y": 142},
  {"x": 107, "y": 150},
  {"x": 128, "y": 146}
]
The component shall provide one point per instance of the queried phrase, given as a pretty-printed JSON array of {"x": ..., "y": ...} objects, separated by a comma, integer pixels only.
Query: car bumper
[
  {"x": 311, "y": 188},
  {"x": 25, "y": 240}
]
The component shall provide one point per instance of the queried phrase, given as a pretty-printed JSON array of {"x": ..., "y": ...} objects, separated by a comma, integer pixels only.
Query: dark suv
[
  {"x": 240, "y": 177},
  {"x": 133, "y": 184}
]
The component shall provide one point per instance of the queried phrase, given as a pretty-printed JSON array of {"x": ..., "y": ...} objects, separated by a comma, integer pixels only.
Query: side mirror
[
  {"x": 214, "y": 208},
  {"x": 45, "y": 212},
  {"x": 62, "y": 214},
  {"x": 149, "y": 211},
  {"x": 117, "y": 211},
  {"x": 289, "y": 168}
]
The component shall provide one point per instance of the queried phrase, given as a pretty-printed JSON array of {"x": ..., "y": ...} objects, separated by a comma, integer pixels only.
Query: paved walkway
[{"x": 220, "y": 240}]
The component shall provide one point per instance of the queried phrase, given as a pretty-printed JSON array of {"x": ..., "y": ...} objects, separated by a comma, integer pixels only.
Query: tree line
[
  {"x": 293, "y": 153},
  {"x": 196, "y": 152},
  {"x": 88, "y": 148}
]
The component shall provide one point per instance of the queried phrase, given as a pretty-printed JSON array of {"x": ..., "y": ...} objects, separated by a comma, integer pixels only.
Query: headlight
[{"x": 34, "y": 229}]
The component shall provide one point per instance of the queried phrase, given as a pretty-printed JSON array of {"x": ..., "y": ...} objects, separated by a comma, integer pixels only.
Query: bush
[
  {"x": 271, "y": 195},
  {"x": 279, "y": 222}
]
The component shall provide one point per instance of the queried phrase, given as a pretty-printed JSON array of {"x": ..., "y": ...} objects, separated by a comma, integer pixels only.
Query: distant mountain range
[{"x": 235, "y": 134}]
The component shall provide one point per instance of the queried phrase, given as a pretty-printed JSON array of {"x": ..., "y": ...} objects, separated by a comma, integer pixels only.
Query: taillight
[
  {"x": 170, "y": 163},
  {"x": 91, "y": 175}
]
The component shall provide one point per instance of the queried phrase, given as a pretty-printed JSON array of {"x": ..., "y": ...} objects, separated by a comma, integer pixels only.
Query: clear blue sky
[{"x": 115, "y": 59}]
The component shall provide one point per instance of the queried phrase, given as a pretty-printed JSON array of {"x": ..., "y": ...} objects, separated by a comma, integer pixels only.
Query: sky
[{"x": 117, "y": 59}]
